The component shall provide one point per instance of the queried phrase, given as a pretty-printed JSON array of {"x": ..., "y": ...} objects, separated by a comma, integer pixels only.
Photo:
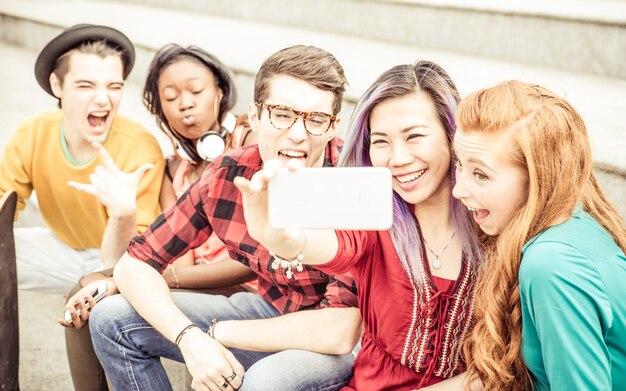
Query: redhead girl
[{"x": 551, "y": 313}]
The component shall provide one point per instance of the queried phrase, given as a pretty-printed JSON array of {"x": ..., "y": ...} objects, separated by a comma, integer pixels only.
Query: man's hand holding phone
[
  {"x": 78, "y": 306},
  {"x": 255, "y": 205},
  {"x": 281, "y": 200}
]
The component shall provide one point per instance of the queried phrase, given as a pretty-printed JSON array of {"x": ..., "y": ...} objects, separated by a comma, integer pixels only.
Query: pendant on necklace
[{"x": 436, "y": 263}]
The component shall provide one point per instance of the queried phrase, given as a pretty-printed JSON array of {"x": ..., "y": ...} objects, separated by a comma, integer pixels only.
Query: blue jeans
[{"x": 129, "y": 348}]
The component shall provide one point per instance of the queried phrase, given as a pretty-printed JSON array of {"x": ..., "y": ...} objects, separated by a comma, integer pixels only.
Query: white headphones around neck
[{"x": 213, "y": 143}]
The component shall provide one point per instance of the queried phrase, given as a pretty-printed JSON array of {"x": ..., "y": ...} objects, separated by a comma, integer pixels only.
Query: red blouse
[{"x": 412, "y": 333}]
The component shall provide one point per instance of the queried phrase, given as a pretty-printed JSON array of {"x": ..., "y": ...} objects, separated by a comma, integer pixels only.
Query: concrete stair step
[
  {"x": 574, "y": 35},
  {"x": 243, "y": 44},
  {"x": 43, "y": 362}
]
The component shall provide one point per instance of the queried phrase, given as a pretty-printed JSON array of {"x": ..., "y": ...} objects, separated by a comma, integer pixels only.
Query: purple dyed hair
[{"x": 401, "y": 80}]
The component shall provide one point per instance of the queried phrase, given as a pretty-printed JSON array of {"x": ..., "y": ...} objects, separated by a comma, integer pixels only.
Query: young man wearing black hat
[{"x": 66, "y": 154}]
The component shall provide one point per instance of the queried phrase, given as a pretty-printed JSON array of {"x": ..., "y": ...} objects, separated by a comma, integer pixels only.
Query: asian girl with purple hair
[{"x": 416, "y": 281}]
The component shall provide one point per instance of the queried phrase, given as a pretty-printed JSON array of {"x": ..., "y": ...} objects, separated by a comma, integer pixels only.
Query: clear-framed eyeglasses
[{"x": 284, "y": 117}]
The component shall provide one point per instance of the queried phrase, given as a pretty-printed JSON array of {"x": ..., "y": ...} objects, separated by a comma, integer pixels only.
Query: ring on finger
[{"x": 231, "y": 377}]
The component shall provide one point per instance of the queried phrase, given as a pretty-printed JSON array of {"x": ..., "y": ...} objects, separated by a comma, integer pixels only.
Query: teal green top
[{"x": 573, "y": 295}]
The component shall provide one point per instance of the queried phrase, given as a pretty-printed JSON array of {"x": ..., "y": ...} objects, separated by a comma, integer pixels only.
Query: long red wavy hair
[{"x": 551, "y": 145}]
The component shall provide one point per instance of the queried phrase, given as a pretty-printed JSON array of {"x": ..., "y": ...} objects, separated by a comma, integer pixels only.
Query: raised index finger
[{"x": 107, "y": 160}]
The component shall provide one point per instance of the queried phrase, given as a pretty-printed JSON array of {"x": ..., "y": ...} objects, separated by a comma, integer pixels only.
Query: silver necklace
[{"x": 437, "y": 263}]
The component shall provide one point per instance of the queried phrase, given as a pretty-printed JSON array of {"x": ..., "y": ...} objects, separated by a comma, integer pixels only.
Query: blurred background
[{"x": 577, "y": 48}]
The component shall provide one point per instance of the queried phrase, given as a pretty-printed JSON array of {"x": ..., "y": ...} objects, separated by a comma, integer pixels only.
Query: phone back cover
[{"x": 355, "y": 198}]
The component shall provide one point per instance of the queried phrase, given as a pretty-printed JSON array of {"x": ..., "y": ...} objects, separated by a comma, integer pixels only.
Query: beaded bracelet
[
  {"x": 182, "y": 333},
  {"x": 211, "y": 330},
  {"x": 289, "y": 264}
]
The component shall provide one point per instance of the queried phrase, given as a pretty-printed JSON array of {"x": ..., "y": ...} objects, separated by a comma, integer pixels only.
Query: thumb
[
  {"x": 138, "y": 173},
  {"x": 63, "y": 323},
  {"x": 243, "y": 185}
]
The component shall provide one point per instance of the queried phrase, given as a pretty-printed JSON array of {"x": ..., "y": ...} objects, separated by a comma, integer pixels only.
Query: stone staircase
[
  {"x": 567, "y": 35},
  {"x": 575, "y": 47}
]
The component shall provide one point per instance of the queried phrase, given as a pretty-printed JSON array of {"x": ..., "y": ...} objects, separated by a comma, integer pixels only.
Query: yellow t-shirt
[{"x": 34, "y": 159}]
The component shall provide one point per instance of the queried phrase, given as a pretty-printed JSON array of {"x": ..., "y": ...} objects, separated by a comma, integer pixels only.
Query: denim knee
[
  {"x": 299, "y": 370},
  {"x": 109, "y": 315}
]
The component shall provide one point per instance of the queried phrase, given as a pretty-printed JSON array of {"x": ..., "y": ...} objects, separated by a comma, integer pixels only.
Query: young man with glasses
[{"x": 298, "y": 92}]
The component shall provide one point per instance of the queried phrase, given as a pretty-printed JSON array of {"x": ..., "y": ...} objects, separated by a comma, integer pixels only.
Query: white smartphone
[
  {"x": 97, "y": 294},
  {"x": 354, "y": 198}
]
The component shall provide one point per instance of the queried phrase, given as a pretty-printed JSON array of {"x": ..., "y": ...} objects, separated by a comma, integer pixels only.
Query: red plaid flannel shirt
[{"x": 214, "y": 204}]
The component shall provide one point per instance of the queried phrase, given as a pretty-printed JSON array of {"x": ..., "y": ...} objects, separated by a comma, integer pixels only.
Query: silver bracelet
[
  {"x": 211, "y": 330},
  {"x": 289, "y": 264}
]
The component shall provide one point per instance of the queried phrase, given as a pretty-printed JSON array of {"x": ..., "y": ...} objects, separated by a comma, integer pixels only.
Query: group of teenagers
[{"x": 504, "y": 268}]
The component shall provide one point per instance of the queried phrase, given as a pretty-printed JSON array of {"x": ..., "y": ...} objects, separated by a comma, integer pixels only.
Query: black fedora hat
[{"x": 73, "y": 37}]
